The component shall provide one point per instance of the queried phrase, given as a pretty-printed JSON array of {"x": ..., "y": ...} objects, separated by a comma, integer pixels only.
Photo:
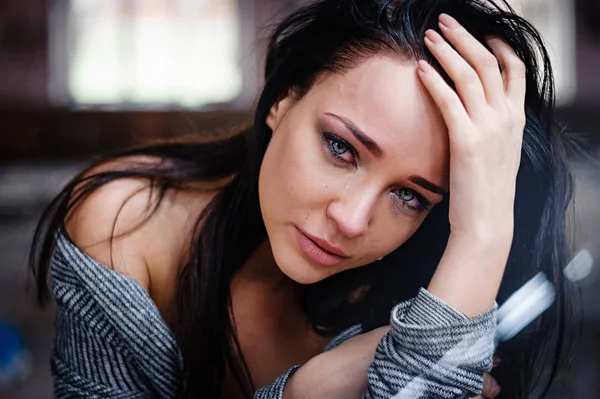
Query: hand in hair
[{"x": 485, "y": 118}]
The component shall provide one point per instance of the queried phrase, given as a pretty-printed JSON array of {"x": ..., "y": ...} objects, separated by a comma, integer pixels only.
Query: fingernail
[
  {"x": 434, "y": 36},
  {"x": 448, "y": 21},
  {"x": 424, "y": 67}
]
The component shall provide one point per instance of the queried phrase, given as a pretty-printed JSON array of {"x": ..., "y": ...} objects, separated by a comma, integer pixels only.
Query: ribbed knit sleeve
[
  {"x": 109, "y": 338},
  {"x": 111, "y": 342},
  {"x": 275, "y": 389},
  {"x": 432, "y": 351}
]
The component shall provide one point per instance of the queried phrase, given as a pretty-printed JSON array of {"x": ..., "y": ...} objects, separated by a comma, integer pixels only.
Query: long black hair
[{"x": 325, "y": 37}]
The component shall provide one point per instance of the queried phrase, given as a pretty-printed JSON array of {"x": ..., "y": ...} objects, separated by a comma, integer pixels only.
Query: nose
[{"x": 353, "y": 212}]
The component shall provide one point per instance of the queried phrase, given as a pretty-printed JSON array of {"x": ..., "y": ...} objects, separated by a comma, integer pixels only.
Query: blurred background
[{"x": 83, "y": 77}]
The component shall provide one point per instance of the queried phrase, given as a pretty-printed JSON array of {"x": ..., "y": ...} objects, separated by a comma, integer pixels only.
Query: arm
[
  {"x": 337, "y": 378},
  {"x": 425, "y": 350},
  {"x": 485, "y": 119},
  {"x": 382, "y": 359},
  {"x": 445, "y": 356}
]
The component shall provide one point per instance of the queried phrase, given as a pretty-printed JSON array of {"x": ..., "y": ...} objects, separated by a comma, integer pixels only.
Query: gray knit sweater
[{"x": 111, "y": 342}]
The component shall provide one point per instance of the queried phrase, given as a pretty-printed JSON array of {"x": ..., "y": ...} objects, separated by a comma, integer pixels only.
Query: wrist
[
  {"x": 470, "y": 271},
  {"x": 483, "y": 238},
  {"x": 484, "y": 253}
]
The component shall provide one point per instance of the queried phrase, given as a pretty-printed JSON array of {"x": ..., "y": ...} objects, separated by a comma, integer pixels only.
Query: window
[{"x": 146, "y": 53}]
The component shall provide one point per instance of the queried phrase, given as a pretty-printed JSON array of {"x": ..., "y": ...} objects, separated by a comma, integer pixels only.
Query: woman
[{"x": 211, "y": 269}]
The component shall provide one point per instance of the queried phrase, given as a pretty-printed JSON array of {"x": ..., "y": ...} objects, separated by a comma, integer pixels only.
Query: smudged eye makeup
[
  {"x": 344, "y": 154},
  {"x": 412, "y": 199}
]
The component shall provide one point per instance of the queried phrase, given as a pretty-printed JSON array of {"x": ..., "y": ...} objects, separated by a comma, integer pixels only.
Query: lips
[{"x": 318, "y": 250}]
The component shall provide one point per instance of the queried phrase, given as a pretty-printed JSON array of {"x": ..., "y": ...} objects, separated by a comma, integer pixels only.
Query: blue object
[{"x": 15, "y": 360}]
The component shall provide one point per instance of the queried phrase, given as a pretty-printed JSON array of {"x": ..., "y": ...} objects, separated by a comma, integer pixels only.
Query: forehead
[{"x": 384, "y": 97}]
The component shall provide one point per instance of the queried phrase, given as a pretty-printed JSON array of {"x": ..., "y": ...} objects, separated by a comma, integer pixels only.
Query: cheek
[
  {"x": 291, "y": 177},
  {"x": 388, "y": 234}
]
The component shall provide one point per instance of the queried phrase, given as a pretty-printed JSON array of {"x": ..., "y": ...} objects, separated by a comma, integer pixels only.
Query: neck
[
  {"x": 262, "y": 293},
  {"x": 261, "y": 270}
]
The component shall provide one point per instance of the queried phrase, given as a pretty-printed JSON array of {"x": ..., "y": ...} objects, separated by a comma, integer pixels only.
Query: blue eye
[
  {"x": 339, "y": 147},
  {"x": 412, "y": 200},
  {"x": 406, "y": 195}
]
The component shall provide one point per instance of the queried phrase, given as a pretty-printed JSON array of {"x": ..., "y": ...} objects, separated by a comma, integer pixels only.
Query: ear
[{"x": 278, "y": 111}]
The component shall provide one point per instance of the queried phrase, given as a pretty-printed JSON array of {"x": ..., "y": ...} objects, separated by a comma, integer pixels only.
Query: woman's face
[{"x": 352, "y": 169}]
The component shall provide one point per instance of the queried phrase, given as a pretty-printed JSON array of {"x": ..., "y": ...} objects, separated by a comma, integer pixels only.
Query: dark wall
[
  {"x": 23, "y": 53},
  {"x": 32, "y": 128},
  {"x": 39, "y": 135}
]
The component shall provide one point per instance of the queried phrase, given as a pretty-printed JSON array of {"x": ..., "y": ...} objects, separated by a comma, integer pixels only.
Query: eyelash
[
  {"x": 424, "y": 205},
  {"x": 330, "y": 139}
]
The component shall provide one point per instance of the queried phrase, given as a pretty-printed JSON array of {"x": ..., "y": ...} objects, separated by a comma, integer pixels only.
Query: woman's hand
[
  {"x": 491, "y": 389},
  {"x": 485, "y": 118}
]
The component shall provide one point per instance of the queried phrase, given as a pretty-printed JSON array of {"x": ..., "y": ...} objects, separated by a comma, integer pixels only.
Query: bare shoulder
[{"x": 120, "y": 226}]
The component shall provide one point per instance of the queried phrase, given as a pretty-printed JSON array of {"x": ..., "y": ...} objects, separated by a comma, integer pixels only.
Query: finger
[
  {"x": 486, "y": 386},
  {"x": 467, "y": 82},
  {"x": 479, "y": 57},
  {"x": 446, "y": 99},
  {"x": 494, "y": 389},
  {"x": 513, "y": 71},
  {"x": 490, "y": 386},
  {"x": 496, "y": 361},
  {"x": 496, "y": 392}
]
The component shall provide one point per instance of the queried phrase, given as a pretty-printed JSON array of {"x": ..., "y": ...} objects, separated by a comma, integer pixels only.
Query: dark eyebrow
[
  {"x": 360, "y": 136},
  {"x": 378, "y": 152},
  {"x": 427, "y": 185}
]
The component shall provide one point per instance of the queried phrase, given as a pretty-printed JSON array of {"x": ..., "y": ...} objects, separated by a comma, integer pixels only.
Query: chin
[{"x": 300, "y": 270}]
